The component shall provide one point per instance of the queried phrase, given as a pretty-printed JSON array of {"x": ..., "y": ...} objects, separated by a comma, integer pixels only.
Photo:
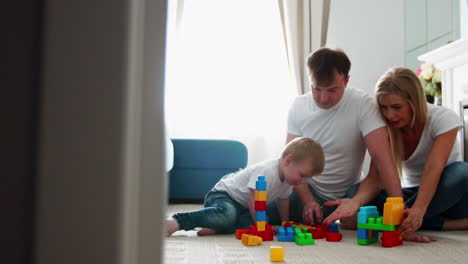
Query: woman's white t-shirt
[{"x": 439, "y": 121}]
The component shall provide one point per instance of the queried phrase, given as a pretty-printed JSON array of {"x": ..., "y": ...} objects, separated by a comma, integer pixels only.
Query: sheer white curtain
[
  {"x": 305, "y": 26},
  {"x": 227, "y": 74}
]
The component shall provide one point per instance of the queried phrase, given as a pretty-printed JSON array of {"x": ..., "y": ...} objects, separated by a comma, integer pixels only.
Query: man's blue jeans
[
  {"x": 221, "y": 213},
  {"x": 450, "y": 199}
]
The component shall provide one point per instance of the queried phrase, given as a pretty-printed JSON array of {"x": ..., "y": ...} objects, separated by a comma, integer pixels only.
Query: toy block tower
[
  {"x": 261, "y": 200},
  {"x": 369, "y": 223}
]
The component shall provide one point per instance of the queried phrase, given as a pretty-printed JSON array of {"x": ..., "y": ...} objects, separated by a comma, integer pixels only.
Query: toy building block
[
  {"x": 260, "y": 205},
  {"x": 333, "y": 228},
  {"x": 260, "y": 215},
  {"x": 334, "y": 237},
  {"x": 240, "y": 232},
  {"x": 261, "y": 184},
  {"x": 276, "y": 254},
  {"x": 260, "y": 195},
  {"x": 318, "y": 231},
  {"x": 261, "y": 226},
  {"x": 369, "y": 241},
  {"x": 303, "y": 237},
  {"x": 394, "y": 208},
  {"x": 288, "y": 223},
  {"x": 391, "y": 239},
  {"x": 251, "y": 240},
  {"x": 376, "y": 224},
  {"x": 366, "y": 212},
  {"x": 285, "y": 234},
  {"x": 266, "y": 235}
]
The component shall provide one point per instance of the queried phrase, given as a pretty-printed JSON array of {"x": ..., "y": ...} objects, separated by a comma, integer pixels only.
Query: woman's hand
[
  {"x": 312, "y": 213},
  {"x": 412, "y": 221},
  {"x": 346, "y": 208}
]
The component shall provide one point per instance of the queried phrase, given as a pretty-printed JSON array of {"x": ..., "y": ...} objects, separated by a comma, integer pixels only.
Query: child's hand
[{"x": 312, "y": 213}]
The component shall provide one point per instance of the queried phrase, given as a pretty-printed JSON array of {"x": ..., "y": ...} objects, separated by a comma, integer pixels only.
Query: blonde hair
[
  {"x": 404, "y": 83},
  {"x": 302, "y": 148}
]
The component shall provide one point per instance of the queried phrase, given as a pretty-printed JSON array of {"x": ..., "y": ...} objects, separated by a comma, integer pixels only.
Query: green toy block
[
  {"x": 367, "y": 241},
  {"x": 374, "y": 224},
  {"x": 302, "y": 237}
]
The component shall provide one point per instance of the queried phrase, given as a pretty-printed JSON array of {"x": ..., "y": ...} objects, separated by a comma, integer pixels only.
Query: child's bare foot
[
  {"x": 206, "y": 232},
  {"x": 171, "y": 226}
]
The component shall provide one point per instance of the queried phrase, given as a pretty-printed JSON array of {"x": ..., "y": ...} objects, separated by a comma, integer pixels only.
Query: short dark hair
[{"x": 324, "y": 62}]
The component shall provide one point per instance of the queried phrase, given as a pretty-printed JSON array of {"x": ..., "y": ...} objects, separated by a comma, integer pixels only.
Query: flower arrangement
[{"x": 431, "y": 80}]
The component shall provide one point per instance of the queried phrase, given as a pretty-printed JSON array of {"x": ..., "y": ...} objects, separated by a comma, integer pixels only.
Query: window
[{"x": 227, "y": 74}]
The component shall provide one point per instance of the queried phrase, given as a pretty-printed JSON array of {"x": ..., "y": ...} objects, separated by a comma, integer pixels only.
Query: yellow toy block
[
  {"x": 261, "y": 225},
  {"x": 260, "y": 195},
  {"x": 276, "y": 254},
  {"x": 393, "y": 211},
  {"x": 251, "y": 240}
]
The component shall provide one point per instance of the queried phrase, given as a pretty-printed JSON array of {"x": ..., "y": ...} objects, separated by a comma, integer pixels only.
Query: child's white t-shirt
[
  {"x": 238, "y": 186},
  {"x": 341, "y": 131},
  {"x": 439, "y": 121}
]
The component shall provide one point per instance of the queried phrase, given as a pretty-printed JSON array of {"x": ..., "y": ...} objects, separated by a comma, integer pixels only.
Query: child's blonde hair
[{"x": 302, "y": 148}]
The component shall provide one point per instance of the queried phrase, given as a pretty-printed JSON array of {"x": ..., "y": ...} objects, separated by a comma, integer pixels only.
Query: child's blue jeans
[{"x": 221, "y": 213}]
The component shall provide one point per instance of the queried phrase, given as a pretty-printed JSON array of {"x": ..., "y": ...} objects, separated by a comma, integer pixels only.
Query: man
[{"x": 345, "y": 122}]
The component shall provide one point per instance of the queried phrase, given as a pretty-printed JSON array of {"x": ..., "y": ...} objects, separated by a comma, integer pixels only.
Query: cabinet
[{"x": 429, "y": 24}]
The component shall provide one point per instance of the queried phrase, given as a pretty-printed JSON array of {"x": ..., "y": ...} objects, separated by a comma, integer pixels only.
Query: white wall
[
  {"x": 371, "y": 33},
  {"x": 463, "y": 18}
]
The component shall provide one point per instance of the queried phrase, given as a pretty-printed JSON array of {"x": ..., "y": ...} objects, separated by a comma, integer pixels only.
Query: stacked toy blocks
[
  {"x": 333, "y": 234},
  {"x": 261, "y": 228},
  {"x": 370, "y": 223},
  {"x": 261, "y": 200},
  {"x": 303, "y": 237}
]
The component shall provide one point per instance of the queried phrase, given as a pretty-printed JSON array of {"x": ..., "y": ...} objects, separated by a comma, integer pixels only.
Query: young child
[{"x": 230, "y": 205}]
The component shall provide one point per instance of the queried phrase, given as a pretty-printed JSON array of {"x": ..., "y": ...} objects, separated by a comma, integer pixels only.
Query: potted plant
[{"x": 431, "y": 80}]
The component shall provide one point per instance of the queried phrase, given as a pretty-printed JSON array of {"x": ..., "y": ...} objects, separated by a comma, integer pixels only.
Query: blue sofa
[{"x": 200, "y": 163}]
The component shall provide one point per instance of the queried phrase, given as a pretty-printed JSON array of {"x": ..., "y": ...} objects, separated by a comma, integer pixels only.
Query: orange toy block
[
  {"x": 260, "y": 195},
  {"x": 240, "y": 232},
  {"x": 251, "y": 240},
  {"x": 261, "y": 225},
  {"x": 393, "y": 211},
  {"x": 276, "y": 254}
]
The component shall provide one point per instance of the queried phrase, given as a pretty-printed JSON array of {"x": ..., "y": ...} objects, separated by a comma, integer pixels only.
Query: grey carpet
[{"x": 186, "y": 247}]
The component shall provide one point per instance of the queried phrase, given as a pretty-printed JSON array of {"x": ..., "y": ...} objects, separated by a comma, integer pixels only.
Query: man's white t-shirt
[
  {"x": 341, "y": 131},
  {"x": 238, "y": 186},
  {"x": 439, "y": 121}
]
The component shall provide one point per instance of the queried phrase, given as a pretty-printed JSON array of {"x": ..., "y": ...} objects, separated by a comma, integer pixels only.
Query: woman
[{"x": 424, "y": 146}]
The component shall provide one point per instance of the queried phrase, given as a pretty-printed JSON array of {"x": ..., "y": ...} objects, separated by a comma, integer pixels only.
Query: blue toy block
[
  {"x": 366, "y": 212},
  {"x": 362, "y": 233},
  {"x": 260, "y": 215},
  {"x": 285, "y": 234},
  {"x": 333, "y": 228},
  {"x": 261, "y": 184}
]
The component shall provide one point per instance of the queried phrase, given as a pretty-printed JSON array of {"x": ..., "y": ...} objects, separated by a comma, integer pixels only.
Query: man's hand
[
  {"x": 412, "y": 221},
  {"x": 312, "y": 213},
  {"x": 346, "y": 207}
]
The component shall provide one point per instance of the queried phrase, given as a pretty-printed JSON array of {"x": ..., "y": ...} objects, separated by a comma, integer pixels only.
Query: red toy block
[
  {"x": 266, "y": 235},
  {"x": 391, "y": 239},
  {"x": 240, "y": 232},
  {"x": 260, "y": 205},
  {"x": 334, "y": 237},
  {"x": 319, "y": 231}
]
